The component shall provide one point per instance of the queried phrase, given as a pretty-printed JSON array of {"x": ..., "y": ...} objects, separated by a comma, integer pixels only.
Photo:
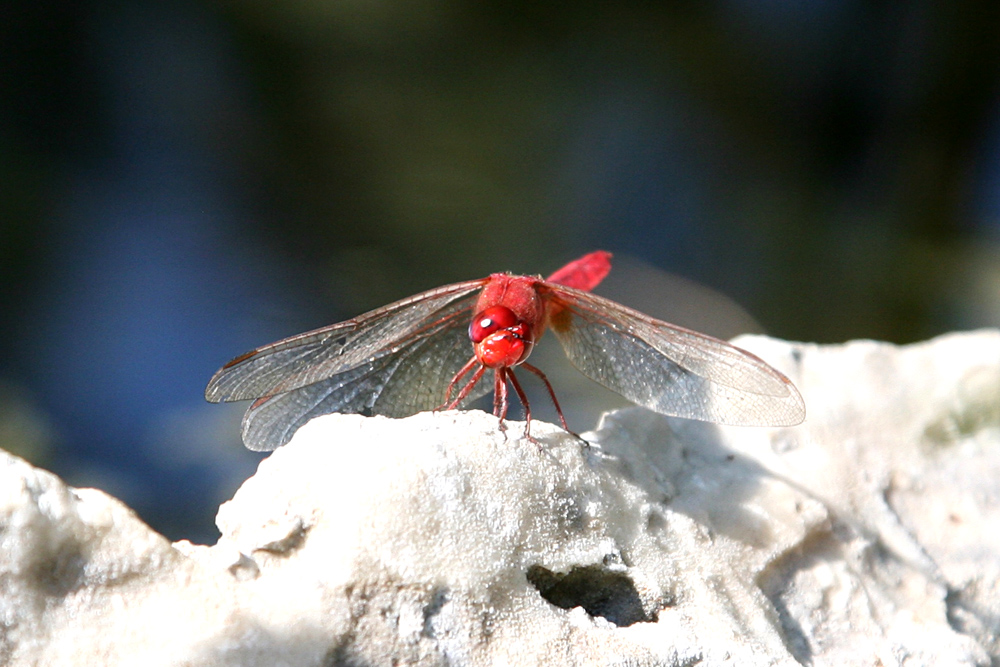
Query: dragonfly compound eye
[{"x": 491, "y": 320}]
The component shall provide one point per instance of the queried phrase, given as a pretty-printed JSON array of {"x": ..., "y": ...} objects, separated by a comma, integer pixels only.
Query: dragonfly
[{"x": 432, "y": 350}]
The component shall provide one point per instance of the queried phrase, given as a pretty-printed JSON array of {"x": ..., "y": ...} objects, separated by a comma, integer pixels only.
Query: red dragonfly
[{"x": 413, "y": 355}]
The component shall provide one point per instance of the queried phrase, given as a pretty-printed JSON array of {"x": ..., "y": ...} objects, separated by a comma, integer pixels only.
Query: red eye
[{"x": 490, "y": 320}]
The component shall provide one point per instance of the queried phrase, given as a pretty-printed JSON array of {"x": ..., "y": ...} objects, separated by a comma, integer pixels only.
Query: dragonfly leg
[
  {"x": 467, "y": 389},
  {"x": 500, "y": 399},
  {"x": 552, "y": 395},
  {"x": 527, "y": 406}
]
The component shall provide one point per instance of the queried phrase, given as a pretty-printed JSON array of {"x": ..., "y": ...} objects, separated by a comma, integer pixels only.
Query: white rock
[{"x": 867, "y": 535}]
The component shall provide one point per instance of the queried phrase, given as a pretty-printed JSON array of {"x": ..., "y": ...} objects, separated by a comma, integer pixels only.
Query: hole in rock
[
  {"x": 292, "y": 541},
  {"x": 601, "y": 592},
  {"x": 60, "y": 571}
]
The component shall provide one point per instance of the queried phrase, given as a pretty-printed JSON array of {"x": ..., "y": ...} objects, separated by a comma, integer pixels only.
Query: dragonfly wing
[
  {"x": 412, "y": 378},
  {"x": 395, "y": 361},
  {"x": 316, "y": 355},
  {"x": 666, "y": 368}
]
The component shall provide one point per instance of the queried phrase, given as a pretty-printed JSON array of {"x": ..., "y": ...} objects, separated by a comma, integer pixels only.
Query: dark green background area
[{"x": 182, "y": 181}]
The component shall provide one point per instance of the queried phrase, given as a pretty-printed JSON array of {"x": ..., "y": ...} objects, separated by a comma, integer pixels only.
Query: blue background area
[{"x": 183, "y": 181}]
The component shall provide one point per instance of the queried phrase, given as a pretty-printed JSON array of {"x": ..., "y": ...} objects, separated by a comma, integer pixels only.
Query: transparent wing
[
  {"x": 396, "y": 361},
  {"x": 666, "y": 368},
  {"x": 412, "y": 378}
]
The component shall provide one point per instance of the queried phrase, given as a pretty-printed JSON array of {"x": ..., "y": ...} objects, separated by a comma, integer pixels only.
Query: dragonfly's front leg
[
  {"x": 467, "y": 389},
  {"x": 500, "y": 396}
]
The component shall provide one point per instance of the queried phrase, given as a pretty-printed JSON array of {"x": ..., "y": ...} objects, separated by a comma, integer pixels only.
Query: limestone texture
[{"x": 869, "y": 535}]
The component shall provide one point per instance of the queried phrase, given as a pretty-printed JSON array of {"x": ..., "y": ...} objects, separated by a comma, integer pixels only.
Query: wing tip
[
  {"x": 213, "y": 391},
  {"x": 793, "y": 414},
  {"x": 263, "y": 437}
]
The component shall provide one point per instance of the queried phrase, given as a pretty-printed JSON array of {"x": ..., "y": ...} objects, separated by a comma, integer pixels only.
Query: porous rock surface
[{"x": 870, "y": 535}]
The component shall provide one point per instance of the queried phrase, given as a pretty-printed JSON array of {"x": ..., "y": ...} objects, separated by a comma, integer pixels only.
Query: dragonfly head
[{"x": 500, "y": 340}]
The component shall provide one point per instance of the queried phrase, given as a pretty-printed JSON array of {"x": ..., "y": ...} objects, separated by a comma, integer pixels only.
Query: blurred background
[{"x": 182, "y": 181}]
